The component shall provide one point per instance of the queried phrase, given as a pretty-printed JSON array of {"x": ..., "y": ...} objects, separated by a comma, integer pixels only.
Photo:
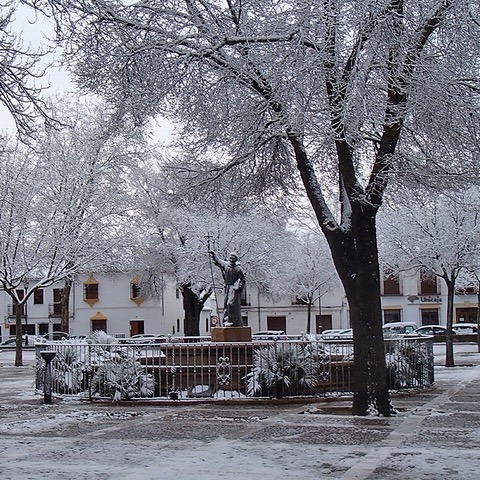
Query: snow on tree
[
  {"x": 176, "y": 236},
  {"x": 439, "y": 233},
  {"x": 20, "y": 66},
  {"x": 63, "y": 206},
  {"x": 338, "y": 95},
  {"x": 306, "y": 271},
  {"x": 93, "y": 157}
]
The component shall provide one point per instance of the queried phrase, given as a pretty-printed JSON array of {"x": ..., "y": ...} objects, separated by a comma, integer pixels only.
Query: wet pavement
[{"x": 435, "y": 435}]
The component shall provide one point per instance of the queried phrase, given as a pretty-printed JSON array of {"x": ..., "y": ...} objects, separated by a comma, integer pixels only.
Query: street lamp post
[{"x": 25, "y": 287}]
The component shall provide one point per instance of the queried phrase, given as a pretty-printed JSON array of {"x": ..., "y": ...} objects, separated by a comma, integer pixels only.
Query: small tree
[
  {"x": 53, "y": 222},
  {"x": 440, "y": 234},
  {"x": 306, "y": 272}
]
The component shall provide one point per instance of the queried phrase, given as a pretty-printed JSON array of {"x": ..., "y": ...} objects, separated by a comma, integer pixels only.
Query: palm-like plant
[
  {"x": 123, "y": 378},
  {"x": 279, "y": 369}
]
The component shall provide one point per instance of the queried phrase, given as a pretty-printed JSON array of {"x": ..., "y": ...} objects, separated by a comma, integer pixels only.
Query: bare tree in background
[
  {"x": 338, "y": 94},
  {"x": 306, "y": 273}
]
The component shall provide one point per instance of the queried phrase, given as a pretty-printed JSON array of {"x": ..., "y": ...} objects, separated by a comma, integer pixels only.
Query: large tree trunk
[
  {"x": 355, "y": 254},
  {"x": 65, "y": 310},
  {"x": 356, "y": 258},
  {"x": 192, "y": 305}
]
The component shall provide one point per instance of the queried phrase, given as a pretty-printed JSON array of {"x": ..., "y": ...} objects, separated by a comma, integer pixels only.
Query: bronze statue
[{"x": 234, "y": 285}]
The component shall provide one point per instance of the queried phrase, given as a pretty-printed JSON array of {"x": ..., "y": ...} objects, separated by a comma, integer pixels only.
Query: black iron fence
[{"x": 197, "y": 368}]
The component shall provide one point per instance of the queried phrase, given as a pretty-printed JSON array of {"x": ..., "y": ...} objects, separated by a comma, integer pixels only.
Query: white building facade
[{"x": 113, "y": 303}]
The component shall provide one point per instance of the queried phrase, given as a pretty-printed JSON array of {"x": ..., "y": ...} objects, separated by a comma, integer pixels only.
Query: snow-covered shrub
[
  {"x": 321, "y": 360},
  {"x": 280, "y": 369},
  {"x": 100, "y": 337},
  {"x": 68, "y": 371},
  {"x": 398, "y": 370},
  {"x": 407, "y": 365},
  {"x": 122, "y": 377},
  {"x": 98, "y": 364}
]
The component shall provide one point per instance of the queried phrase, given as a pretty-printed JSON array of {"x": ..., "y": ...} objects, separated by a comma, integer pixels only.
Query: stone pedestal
[{"x": 231, "y": 334}]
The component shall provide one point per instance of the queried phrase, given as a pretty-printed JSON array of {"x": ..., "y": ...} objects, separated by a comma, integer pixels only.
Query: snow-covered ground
[{"x": 435, "y": 435}]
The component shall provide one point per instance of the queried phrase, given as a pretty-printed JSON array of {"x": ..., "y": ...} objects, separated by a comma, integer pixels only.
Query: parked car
[
  {"x": 143, "y": 339},
  {"x": 56, "y": 336},
  {"x": 268, "y": 335},
  {"x": 399, "y": 329},
  {"x": 9, "y": 342},
  {"x": 465, "y": 328},
  {"x": 431, "y": 330},
  {"x": 26, "y": 340},
  {"x": 337, "y": 334}
]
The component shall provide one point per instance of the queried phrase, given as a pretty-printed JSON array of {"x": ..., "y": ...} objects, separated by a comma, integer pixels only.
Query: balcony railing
[{"x": 188, "y": 370}]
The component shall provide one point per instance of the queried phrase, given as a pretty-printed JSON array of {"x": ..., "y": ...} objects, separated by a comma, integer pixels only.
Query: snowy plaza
[
  {"x": 434, "y": 435},
  {"x": 175, "y": 169}
]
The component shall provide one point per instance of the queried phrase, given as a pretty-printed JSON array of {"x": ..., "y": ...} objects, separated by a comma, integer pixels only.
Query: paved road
[{"x": 435, "y": 435}]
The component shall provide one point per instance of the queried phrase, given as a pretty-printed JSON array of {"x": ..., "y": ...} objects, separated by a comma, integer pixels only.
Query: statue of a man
[{"x": 234, "y": 284}]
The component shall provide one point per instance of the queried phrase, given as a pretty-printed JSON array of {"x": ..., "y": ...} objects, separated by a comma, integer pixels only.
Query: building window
[
  {"x": 99, "y": 322},
  {"x": 38, "y": 296},
  {"x": 55, "y": 309},
  {"x": 323, "y": 322},
  {"x": 428, "y": 283},
  {"x": 391, "y": 283},
  {"x": 244, "y": 300},
  {"x": 42, "y": 328},
  {"x": 99, "y": 325},
  {"x": 137, "y": 327},
  {"x": 90, "y": 291},
  {"x": 135, "y": 291},
  {"x": 300, "y": 300},
  {"x": 430, "y": 316},
  {"x": 392, "y": 315},
  {"x": 26, "y": 329},
  {"x": 466, "y": 315},
  {"x": 277, "y": 323}
]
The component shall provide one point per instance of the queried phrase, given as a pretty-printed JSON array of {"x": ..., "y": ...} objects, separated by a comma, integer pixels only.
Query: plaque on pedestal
[{"x": 231, "y": 334}]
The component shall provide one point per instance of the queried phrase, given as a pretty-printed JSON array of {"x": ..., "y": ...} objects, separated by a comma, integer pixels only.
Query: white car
[
  {"x": 432, "y": 330},
  {"x": 144, "y": 339},
  {"x": 465, "y": 328},
  {"x": 268, "y": 335},
  {"x": 399, "y": 329},
  {"x": 340, "y": 333}
]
